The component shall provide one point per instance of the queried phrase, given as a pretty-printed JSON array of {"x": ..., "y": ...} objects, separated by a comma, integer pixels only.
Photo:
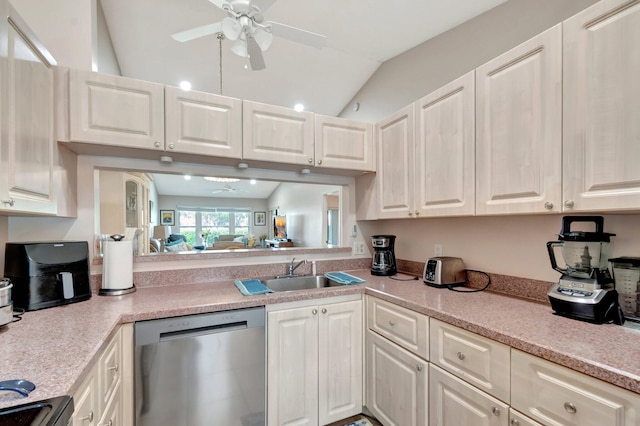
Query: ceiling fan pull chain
[{"x": 220, "y": 37}]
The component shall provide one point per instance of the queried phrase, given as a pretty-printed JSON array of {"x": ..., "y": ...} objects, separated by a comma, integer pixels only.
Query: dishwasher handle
[{"x": 202, "y": 331}]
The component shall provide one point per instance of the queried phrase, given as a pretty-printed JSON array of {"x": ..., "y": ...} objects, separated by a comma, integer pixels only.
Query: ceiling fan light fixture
[
  {"x": 231, "y": 28},
  {"x": 239, "y": 47},
  {"x": 263, "y": 38}
]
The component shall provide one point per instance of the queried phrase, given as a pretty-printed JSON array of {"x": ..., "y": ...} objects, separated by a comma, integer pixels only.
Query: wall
[
  {"x": 107, "y": 62},
  {"x": 428, "y": 66},
  {"x": 303, "y": 205}
]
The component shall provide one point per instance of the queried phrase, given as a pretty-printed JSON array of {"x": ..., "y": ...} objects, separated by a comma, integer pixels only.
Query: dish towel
[
  {"x": 252, "y": 287},
  {"x": 343, "y": 278}
]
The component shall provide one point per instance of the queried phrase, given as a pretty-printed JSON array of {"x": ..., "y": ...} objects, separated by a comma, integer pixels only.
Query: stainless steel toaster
[{"x": 444, "y": 271}]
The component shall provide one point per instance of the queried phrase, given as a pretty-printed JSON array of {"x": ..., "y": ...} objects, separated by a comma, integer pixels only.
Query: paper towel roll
[{"x": 117, "y": 265}]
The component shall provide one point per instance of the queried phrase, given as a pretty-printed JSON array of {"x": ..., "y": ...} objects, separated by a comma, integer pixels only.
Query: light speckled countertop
[{"x": 56, "y": 347}]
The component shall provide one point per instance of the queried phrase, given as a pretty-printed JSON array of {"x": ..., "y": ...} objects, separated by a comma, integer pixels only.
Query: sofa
[{"x": 228, "y": 242}]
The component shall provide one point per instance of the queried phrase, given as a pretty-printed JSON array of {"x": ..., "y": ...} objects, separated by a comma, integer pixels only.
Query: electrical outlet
[
  {"x": 437, "y": 250},
  {"x": 358, "y": 247}
]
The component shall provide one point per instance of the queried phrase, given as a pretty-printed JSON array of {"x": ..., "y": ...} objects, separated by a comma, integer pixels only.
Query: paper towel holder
[{"x": 114, "y": 291}]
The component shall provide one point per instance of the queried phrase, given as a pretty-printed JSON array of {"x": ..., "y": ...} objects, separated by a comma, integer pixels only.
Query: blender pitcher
[{"x": 583, "y": 252}]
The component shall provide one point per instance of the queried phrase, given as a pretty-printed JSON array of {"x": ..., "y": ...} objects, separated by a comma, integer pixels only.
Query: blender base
[{"x": 605, "y": 310}]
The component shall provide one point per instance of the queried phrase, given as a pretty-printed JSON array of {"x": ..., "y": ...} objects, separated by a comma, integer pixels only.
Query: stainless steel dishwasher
[{"x": 205, "y": 369}]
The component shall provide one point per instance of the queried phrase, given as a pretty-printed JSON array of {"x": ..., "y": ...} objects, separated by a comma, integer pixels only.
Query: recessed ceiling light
[
  {"x": 252, "y": 181},
  {"x": 185, "y": 85},
  {"x": 187, "y": 177},
  {"x": 221, "y": 179},
  {"x": 299, "y": 107}
]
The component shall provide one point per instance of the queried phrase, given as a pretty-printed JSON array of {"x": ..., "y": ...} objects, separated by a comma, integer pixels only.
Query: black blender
[
  {"x": 586, "y": 289},
  {"x": 384, "y": 258}
]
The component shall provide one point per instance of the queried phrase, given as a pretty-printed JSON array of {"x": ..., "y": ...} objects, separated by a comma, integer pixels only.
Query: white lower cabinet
[
  {"x": 314, "y": 363},
  {"x": 397, "y": 383},
  {"x": 105, "y": 398},
  {"x": 453, "y": 402},
  {"x": 555, "y": 395}
]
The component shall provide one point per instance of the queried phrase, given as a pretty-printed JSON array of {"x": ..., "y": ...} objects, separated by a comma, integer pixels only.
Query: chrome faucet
[{"x": 293, "y": 267}]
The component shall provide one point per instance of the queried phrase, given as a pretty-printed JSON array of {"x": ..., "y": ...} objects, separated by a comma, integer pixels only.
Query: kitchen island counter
[{"x": 55, "y": 348}]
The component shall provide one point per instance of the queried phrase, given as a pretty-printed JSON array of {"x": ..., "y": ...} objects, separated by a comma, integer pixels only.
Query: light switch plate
[{"x": 358, "y": 247}]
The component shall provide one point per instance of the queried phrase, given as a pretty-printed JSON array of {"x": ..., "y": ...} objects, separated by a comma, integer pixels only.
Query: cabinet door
[
  {"x": 519, "y": 128},
  {"x": 454, "y": 402},
  {"x": 85, "y": 403},
  {"x": 343, "y": 144},
  {"x": 111, "y": 110},
  {"x": 445, "y": 150},
  {"x": 292, "y": 367},
  {"x": 202, "y": 123},
  {"x": 340, "y": 361},
  {"x": 556, "y": 395},
  {"x": 601, "y": 107},
  {"x": 109, "y": 371},
  {"x": 26, "y": 171},
  {"x": 273, "y": 133},
  {"x": 397, "y": 383},
  {"x": 394, "y": 143}
]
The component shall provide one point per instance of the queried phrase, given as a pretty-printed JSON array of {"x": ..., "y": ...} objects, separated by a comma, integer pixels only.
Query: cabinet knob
[
  {"x": 410, "y": 213},
  {"x": 314, "y": 312},
  {"x": 171, "y": 146},
  {"x": 568, "y": 204},
  {"x": 115, "y": 368},
  {"x": 310, "y": 160},
  {"x": 571, "y": 409},
  {"x": 460, "y": 356},
  {"x": 548, "y": 205},
  {"x": 392, "y": 323},
  {"x": 419, "y": 367},
  {"x": 319, "y": 162},
  {"x": 417, "y": 213},
  {"x": 109, "y": 423},
  {"x": 515, "y": 422},
  {"x": 87, "y": 417},
  {"x": 157, "y": 144},
  {"x": 324, "y": 310},
  {"x": 11, "y": 202},
  {"x": 495, "y": 411}
]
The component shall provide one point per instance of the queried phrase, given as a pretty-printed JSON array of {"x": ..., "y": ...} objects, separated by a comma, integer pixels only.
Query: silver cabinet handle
[
  {"x": 157, "y": 144},
  {"x": 460, "y": 356},
  {"x": 417, "y": 213},
  {"x": 324, "y": 310},
  {"x": 548, "y": 205},
  {"x": 114, "y": 368},
  {"x": 515, "y": 422},
  {"x": 314, "y": 312},
  {"x": 171, "y": 146},
  {"x": 571, "y": 409},
  {"x": 319, "y": 162},
  {"x": 419, "y": 367},
  {"x": 495, "y": 411},
  {"x": 87, "y": 417},
  {"x": 10, "y": 201},
  {"x": 410, "y": 213},
  {"x": 568, "y": 204},
  {"x": 109, "y": 423},
  {"x": 310, "y": 160},
  {"x": 392, "y": 323}
]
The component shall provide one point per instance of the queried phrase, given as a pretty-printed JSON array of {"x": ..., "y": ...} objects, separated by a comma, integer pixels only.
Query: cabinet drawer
[
  {"x": 454, "y": 402},
  {"x": 519, "y": 419},
  {"x": 476, "y": 359},
  {"x": 551, "y": 394},
  {"x": 400, "y": 325}
]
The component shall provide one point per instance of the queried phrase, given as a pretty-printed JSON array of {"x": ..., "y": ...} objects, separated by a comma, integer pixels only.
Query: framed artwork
[
  {"x": 259, "y": 218},
  {"x": 167, "y": 217}
]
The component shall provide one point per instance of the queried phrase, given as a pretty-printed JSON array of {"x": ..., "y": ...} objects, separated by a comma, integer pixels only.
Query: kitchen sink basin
[
  {"x": 50, "y": 412},
  {"x": 303, "y": 282}
]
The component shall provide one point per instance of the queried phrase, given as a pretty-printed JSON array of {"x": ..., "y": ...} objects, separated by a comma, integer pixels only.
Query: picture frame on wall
[
  {"x": 167, "y": 217},
  {"x": 259, "y": 218}
]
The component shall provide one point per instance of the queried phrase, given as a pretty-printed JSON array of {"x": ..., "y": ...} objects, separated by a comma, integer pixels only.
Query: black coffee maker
[{"x": 384, "y": 258}]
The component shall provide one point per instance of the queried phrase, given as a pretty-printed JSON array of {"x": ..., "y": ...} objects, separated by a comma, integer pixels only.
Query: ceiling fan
[
  {"x": 251, "y": 35},
  {"x": 230, "y": 189}
]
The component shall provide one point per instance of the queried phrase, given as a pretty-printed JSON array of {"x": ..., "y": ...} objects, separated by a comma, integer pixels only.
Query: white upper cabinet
[
  {"x": 277, "y": 134},
  {"x": 445, "y": 150},
  {"x": 602, "y": 107},
  {"x": 394, "y": 139},
  {"x": 202, "y": 123},
  {"x": 27, "y": 153},
  {"x": 117, "y": 111},
  {"x": 343, "y": 144},
  {"x": 519, "y": 128}
]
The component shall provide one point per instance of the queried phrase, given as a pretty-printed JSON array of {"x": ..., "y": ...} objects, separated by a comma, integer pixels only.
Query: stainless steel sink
[{"x": 304, "y": 282}]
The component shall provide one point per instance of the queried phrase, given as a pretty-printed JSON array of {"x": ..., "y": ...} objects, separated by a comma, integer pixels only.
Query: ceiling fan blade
[
  {"x": 298, "y": 35},
  {"x": 255, "y": 54},
  {"x": 264, "y": 4},
  {"x": 197, "y": 32},
  {"x": 219, "y": 3}
]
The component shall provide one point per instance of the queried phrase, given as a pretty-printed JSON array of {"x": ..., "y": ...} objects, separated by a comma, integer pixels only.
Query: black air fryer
[{"x": 47, "y": 274}]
